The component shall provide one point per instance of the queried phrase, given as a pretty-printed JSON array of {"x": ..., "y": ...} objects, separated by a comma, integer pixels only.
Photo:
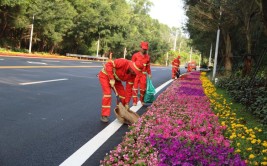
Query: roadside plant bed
[
  {"x": 252, "y": 95},
  {"x": 243, "y": 138},
  {"x": 179, "y": 128}
]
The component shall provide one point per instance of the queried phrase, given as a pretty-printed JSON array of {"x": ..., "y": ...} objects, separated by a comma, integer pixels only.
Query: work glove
[
  {"x": 150, "y": 76},
  {"x": 112, "y": 83}
]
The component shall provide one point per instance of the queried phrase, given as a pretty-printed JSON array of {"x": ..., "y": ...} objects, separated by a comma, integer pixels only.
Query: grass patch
[{"x": 248, "y": 118}]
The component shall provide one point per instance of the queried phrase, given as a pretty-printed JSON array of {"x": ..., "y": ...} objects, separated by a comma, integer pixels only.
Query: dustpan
[{"x": 125, "y": 116}]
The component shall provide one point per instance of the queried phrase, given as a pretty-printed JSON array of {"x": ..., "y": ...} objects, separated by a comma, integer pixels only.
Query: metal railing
[{"x": 86, "y": 57}]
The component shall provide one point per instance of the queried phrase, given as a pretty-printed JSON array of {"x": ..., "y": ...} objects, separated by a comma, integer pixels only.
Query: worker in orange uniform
[
  {"x": 189, "y": 68},
  {"x": 140, "y": 80},
  {"x": 175, "y": 67},
  {"x": 111, "y": 77}
]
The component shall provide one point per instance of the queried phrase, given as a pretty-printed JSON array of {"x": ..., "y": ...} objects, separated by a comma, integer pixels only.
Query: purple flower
[{"x": 177, "y": 152}]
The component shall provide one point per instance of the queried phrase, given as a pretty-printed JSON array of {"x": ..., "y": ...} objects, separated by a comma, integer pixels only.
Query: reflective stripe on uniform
[
  {"x": 106, "y": 95},
  {"x": 105, "y": 106},
  {"x": 130, "y": 83},
  {"x": 122, "y": 97},
  {"x": 115, "y": 75},
  {"x": 114, "y": 72},
  {"x": 136, "y": 67},
  {"x": 135, "y": 89},
  {"x": 113, "y": 63},
  {"x": 104, "y": 71}
]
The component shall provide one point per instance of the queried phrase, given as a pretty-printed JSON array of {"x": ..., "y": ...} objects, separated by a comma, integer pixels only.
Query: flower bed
[
  {"x": 179, "y": 128},
  {"x": 243, "y": 138}
]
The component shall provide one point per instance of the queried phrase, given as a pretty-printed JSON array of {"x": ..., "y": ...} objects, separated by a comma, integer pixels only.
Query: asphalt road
[{"x": 49, "y": 108}]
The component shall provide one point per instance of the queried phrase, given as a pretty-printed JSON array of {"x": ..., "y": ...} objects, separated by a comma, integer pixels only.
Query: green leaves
[
  {"x": 75, "y": 26},
  {"x": 54, "y": 19},
  {"x": 253, "y": 97},
  {"x": 240, "y": 24}
]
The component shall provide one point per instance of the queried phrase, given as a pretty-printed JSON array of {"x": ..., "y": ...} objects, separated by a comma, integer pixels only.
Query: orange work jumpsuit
[
  {"x": 189, "y": 68},
  {"x": 117, "y": 70},
  {"x": 175, "y": 67},
  {"x": 140, "y": 80}
]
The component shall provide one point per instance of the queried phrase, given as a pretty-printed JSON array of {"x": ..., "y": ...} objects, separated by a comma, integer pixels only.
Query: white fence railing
[{"x": 87, "y": 57}]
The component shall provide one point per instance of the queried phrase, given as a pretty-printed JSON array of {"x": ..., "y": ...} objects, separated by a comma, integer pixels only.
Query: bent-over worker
[{"x": 111, "y": 76}]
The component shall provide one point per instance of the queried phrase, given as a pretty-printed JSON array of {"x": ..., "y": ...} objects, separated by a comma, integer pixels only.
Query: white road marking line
[
  {"x": 85, "y": 152},
  {"x": 86, "y": 62},
  {"x": 162, "y": 86},
  {"x": 50, "y": 61},
  {"x": 39, "y": 82},
  {"x": 1, "y": 59},
  {"x": 41, "y": 63}
]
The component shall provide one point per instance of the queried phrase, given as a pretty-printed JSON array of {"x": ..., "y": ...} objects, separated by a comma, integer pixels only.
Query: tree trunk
[
  {"x": 52, "y": 49},
  {"x": 247, "y": 65},
  {"x": 4, "y": 24},
  {"x": 249, "y": 42},
  {"x": 228, "y": 54},
  {"x": 264, "y": 13},
  {"x": 18, "y": 44}
]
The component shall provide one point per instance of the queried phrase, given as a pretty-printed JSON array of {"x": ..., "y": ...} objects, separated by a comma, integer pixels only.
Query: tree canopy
[
  {"x": 242, "y": 25},
  {"x": 75, "y": 26}
]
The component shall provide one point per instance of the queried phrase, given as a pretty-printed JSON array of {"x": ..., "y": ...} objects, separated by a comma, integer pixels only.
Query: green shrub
[
  {"x": 20, "y": 50},
  {"x": 251, "y": 94}
]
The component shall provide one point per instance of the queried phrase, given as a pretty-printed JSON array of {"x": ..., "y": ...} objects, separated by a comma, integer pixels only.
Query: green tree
[
  {"x": 52, "y": 21},
  {"x": 239, "y": 25},
  {"x": 13, "y": 22}
]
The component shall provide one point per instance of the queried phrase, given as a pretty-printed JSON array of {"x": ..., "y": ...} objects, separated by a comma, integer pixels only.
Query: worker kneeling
[{"x": 111, "y": 77}]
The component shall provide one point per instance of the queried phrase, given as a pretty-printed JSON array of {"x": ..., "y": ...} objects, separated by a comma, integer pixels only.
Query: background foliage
[
  {"x": 75, "y": 26},
  {"x": 243, "y": 31}
]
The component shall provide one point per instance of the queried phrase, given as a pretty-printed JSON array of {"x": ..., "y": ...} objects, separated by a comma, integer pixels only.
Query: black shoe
[{"x": 104, "y": 119}]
